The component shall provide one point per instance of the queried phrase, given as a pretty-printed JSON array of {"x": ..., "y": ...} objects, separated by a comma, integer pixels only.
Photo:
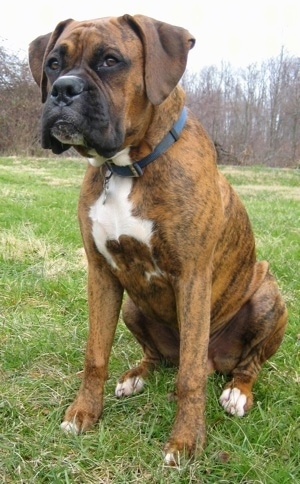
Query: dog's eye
[
  {"x": 104, "y": 61},
  {"x": 53, "y": 64},
  {"x": 110, "y": 61}
]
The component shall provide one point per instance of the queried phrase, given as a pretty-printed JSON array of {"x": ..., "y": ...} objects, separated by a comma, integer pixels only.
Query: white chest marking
[
  {"x": 122, "y": 158},
  {"x": 114, "y": 218}
]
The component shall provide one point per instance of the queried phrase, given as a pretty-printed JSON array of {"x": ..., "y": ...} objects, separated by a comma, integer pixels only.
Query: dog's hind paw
[
  {"x": 233, "y": 401},
  {"x": 130, "y": 386}
]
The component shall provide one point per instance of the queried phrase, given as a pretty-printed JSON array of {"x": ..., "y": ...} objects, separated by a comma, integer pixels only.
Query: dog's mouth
[
  {"x": 61, "y": 135},
  {"x": 62, "y": 129},
  {"x": 64, "y": 134},
  {"x": 67, "y": 133}
]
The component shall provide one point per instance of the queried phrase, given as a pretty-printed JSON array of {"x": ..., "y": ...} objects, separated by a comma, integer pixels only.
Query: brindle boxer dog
[{"x": 157, "y": 220}]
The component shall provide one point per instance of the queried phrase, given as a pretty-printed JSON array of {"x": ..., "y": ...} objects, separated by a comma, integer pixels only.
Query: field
[{"x": 43, "y": 318}]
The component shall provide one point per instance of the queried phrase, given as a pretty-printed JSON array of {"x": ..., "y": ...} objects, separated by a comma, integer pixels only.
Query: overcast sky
[{"x": 232, "y": 31}]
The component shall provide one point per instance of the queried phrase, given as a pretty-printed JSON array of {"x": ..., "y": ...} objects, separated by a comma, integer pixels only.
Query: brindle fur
[{"x": 211, "y": 305}]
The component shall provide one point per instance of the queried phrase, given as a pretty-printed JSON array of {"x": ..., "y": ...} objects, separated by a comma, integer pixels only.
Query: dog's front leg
[
  {"x": 193, "y": 309},
  {"x": 104, "y": 298}
]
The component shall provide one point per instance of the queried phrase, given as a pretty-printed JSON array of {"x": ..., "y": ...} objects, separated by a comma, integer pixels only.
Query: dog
[{"x": 158, "y": 220}]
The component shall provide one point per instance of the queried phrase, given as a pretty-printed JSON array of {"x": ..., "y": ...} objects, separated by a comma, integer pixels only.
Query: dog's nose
[{"x": 66, "y": 88}]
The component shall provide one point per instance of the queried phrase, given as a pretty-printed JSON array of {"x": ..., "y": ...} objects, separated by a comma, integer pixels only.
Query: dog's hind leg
[
  {"x": 258, "y": 329},
  {"x": 159, "y": 343}
]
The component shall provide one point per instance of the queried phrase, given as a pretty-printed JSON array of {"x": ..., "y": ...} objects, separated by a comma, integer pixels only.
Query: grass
[{"x": 43, "y": 321}]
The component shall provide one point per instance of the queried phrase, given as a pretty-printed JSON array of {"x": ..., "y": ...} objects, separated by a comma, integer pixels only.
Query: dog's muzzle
[
  {"x": 64, "y": 92},
  {"x": 77, "y": 113}
]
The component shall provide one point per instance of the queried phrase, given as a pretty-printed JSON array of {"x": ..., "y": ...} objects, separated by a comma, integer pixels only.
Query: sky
[{"x": 234, "y": 31}]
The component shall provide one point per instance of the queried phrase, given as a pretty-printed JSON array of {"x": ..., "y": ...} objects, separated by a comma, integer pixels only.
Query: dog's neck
[
  {"x": 172, "y": 107},
  {"x": 131, "y": 161},
  {"x": 135, "y": 169}
]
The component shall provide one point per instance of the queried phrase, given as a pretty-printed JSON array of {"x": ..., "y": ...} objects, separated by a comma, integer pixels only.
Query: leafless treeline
[
  {"x": 253, "y": 115},
  {"x": 20, "y": 107}
]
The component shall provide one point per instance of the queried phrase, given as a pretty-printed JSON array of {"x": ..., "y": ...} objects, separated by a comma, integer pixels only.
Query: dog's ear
[
  {"x": 166, "y": 50},
  {"x": 38, "y": 51}
]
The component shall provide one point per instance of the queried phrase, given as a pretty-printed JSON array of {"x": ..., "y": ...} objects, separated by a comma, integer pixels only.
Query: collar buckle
[{"x": 136, "y": 170}]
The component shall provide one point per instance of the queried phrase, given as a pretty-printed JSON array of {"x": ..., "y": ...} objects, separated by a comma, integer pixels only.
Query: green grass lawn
[{"x": 43, "y": 318}]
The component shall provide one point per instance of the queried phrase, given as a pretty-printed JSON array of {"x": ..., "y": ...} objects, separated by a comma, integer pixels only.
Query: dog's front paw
[
  {"x": 172, "y": 458},
  {"x": 179, "y": 452},
  {"x": 174, "y": 453},
  {"x": 234, "y": 401},
  {"x": 69, "y": 427},
  {"x": 80, "y": 418},
  {"x": 130, "y": 386},
  {"x": 185, "y": 443}
]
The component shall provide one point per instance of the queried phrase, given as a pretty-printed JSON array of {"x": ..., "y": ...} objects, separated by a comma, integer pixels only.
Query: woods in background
[{"x": 252, "y": 114}]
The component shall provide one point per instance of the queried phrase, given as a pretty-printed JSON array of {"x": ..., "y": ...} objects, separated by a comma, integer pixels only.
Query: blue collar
[{"x": 136, "y": 169}]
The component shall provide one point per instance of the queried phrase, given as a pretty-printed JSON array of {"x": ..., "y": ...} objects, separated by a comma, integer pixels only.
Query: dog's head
[{"x": 100, "y": 80}]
